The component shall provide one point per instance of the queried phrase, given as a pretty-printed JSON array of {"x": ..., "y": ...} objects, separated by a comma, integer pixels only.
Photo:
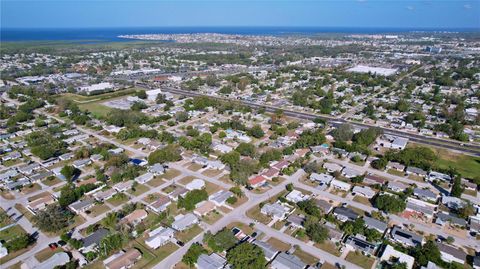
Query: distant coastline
[{"x": 112, "y": 34}]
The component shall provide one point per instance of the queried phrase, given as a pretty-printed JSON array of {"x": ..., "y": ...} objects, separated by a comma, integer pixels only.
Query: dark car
[{"x": 180, "y": 243}]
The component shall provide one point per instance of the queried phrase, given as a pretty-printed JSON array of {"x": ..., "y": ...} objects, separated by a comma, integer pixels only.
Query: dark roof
[
  {"x": 375, "y": 224},
  {"x": 345, "y": 211},
  {"x": 455, "y": 252},
  {"x": 95, "y": 237}
]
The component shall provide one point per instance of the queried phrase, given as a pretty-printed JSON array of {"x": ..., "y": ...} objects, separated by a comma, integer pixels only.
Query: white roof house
[
  {"x": 183, "y": 222},
  {"x": 142, "y": 179},
  {"x": 322, "y": 178},
  {"x": 364, "y": 191},
  {"x": 196, "y": 184},
  {"x": 97, "y": 87},
  {"x": 159, "y": 237},
  {"x": 390, "y": 253},
  {"x": 337, "y": 184},
  {"x": 350, "y": 172},
  {"x": 332, "y": 167},
  {"x": 220, "y": 197},
  {"x": 296, "y": 196},
  {"x": 276, "y": 210}
]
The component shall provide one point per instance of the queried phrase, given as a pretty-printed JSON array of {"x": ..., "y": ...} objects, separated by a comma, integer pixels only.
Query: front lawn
[{"x": 360, "y": 259}]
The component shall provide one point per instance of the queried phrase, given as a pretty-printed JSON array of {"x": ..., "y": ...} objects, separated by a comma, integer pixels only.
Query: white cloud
[
  {"x": 410, "y": 7},
  {"x": 467, "y": 6}
]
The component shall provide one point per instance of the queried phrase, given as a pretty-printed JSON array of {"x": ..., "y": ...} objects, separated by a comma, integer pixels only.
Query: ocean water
[{"x": 111, "y": 34}]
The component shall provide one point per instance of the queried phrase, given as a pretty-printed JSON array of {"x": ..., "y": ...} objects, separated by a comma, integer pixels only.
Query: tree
[
  {"x": 223, "y": 240},
  {"x": 142, "y": 94},
  {"x": 19, "y": 242},
  {"x": 170, "y": 153},
  {"x": 192, "y": 198},
  {"x": 344, "y": 132},
  {"x": 316, "y": 231},
  {"x": 69, "y": 172},
  {"x": 110, "y": 220},
  {"x": 52, "y": 219},
  {"x": 246, "y": 255},
  {"x": 310, "y": 207},
  {"x": 457, "y": 188},
  {"x": 237, "y": 191},
  {"x": 246, "y": 149},
  {"x": 181, "y": 116},
  {"x": 428, "y": 252},
  {"x": 289, "y": 187},
  {"x": 191, "y": 257},
  {"x": 389, "y": 203},
  {"x": 256, "y": 131}
]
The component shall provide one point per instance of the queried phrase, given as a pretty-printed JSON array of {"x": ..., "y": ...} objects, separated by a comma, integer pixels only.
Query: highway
[{"x": 466, "y": 148}]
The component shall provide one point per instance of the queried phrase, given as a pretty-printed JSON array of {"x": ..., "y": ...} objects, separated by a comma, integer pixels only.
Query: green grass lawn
[
  {"x": 96, "y": 108},
  {"x": 360, "y": 259},
  {"x": 151, "y": 257},
  {"x": 98, "y": 210},
  {"x": 467, "y": 166},
  {"x": 189, "y": 234},
  {"x": 139, "y": 189},
  {"x": 25, "y": 212},
  {"x": 46, "y": 253},
  {"x": 396, "y": 172},
  {"x": 118, "y": 199},
  {"x": 171, "y": 173},
  {"x": 255, "y": 213},
  {"x": 280, "y": 245},
  {"x": 212, "y": 217},
  {"x": 329, "y": 247},
  {"x": 157, "y": 181},
  {"x": 305, "y": 257},
  {"x": 51, "y": 181}
]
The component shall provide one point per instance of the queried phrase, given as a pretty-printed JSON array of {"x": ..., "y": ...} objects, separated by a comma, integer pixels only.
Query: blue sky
[{"x": 326, "y": 13}]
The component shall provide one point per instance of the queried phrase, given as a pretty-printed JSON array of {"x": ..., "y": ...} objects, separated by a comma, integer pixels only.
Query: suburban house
[
  {"x": 91, "y": 242},
  {"x": 123, "y": 186},
  {"x": 142, "y": 179},
  {"x": 81, "y": 163},
  {"x": 212, "y": 261},
  {"x": 81, "y": 206},
  {"x": 257, "y": 181},
  {"x": 179, "y": 191},
  {"x": 332, "y": 167},
  {"x": 425, "y": 209},
  {"x": 40, "y": 203},
  {"x": 268, "y": 250},
  {"x": 135, "y": 217},
  {"x": 160, "y": 204},
  {"x": 344, "y": 213},
  {"x": 340, "y": 185},
  {"x": 220, "y": 197},
  {"x": 322, "y": 178},
  {"x": 372, "y": 223},
  {"x": 296, "y": 196},
  {"x": 396, "y": 186},
  {"x": 444, "y": 218},
  {"x": 396, "y": 166},
  {"x": 411, "y": 170},
  {"x": 183, "y": 222},
  {"x": 350, "y": 172},
  {"x": 196, "y": 184},
  {"x": 296, "y": 221},
  {"x": 159, "y": 237},
  {"x": 277, "y": 211},
  {"x": 325, "y": 206},
  {"x": 406, "y": 237},
  {"x": 425, "y": 195},
  {"x": 204, "y": 208},
  {"x": 364, "y": 191},
  {"x": 157, "y": 169},
  {"x": 452, "y": 202},
  {"x": 433, "y": 175},
  {"x": 284, "y": 260},
  {"x": 359, "y": 243},
  {"x": 123, "y": 259},
  {"x": 104, "y": 195},
  {"x": 451, "y": 254},
  {"x": 389, "y": 254},
  {"x": 372, "y": 179},
  {"x": 57, "y": 259}
]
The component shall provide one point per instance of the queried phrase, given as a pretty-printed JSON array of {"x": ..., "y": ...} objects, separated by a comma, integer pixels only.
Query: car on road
[{"x": 180, "y": 243}]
